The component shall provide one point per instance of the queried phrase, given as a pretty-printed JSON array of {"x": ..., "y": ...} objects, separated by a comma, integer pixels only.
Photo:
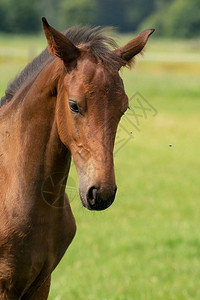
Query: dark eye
[{"x": 74, "y": 107}]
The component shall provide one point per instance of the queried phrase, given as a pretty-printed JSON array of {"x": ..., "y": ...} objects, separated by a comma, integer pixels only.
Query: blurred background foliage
[{"x": 171, "y": 18}]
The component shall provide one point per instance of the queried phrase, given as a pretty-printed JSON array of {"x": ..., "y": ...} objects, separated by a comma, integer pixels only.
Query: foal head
[{"x": 90, "y": 102}]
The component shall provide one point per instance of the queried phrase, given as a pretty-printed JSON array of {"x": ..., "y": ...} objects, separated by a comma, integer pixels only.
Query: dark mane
[{"x": 94, "y": 38}]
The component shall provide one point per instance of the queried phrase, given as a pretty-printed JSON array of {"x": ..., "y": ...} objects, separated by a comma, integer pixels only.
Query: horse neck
[{"x": 37, "y": 150}]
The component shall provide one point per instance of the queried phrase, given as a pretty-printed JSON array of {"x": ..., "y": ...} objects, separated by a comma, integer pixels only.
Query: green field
[{"x": 146, "y": 246}]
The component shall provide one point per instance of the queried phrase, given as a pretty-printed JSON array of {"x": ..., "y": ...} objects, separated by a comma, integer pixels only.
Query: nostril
[
  {"x": 100, "y": 199},
  {"x": 92, "y": 195}
]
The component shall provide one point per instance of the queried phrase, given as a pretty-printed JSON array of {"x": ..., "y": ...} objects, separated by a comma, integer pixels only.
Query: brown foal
[{"x": 68, "y": 101}]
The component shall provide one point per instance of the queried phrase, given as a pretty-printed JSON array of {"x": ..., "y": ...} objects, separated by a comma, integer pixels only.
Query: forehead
[
  {"x": 98, "y": 73},
  {"x": 93, "y": 76}
]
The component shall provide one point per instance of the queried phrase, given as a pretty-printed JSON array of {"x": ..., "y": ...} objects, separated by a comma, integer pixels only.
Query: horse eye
[{"x": 74, "y": 107}]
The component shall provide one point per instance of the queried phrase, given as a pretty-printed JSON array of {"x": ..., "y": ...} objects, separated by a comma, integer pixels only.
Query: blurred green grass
[{"x": 146, "y": 246}]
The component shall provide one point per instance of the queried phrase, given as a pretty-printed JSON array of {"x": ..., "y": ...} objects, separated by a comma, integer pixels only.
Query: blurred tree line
[{"x": 180, "y": 18}]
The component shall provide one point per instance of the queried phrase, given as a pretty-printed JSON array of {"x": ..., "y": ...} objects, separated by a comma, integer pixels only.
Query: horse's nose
[{"x": 99, "y": 199}]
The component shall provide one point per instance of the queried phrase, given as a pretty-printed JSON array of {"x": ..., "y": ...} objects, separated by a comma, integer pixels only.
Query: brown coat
[{"x": 70, "y": 104}]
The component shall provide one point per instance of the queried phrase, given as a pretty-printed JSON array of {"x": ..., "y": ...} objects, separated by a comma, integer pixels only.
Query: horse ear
[
  {"x": 60, "y": 45},
  {"x": 135, "y": 46}
]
